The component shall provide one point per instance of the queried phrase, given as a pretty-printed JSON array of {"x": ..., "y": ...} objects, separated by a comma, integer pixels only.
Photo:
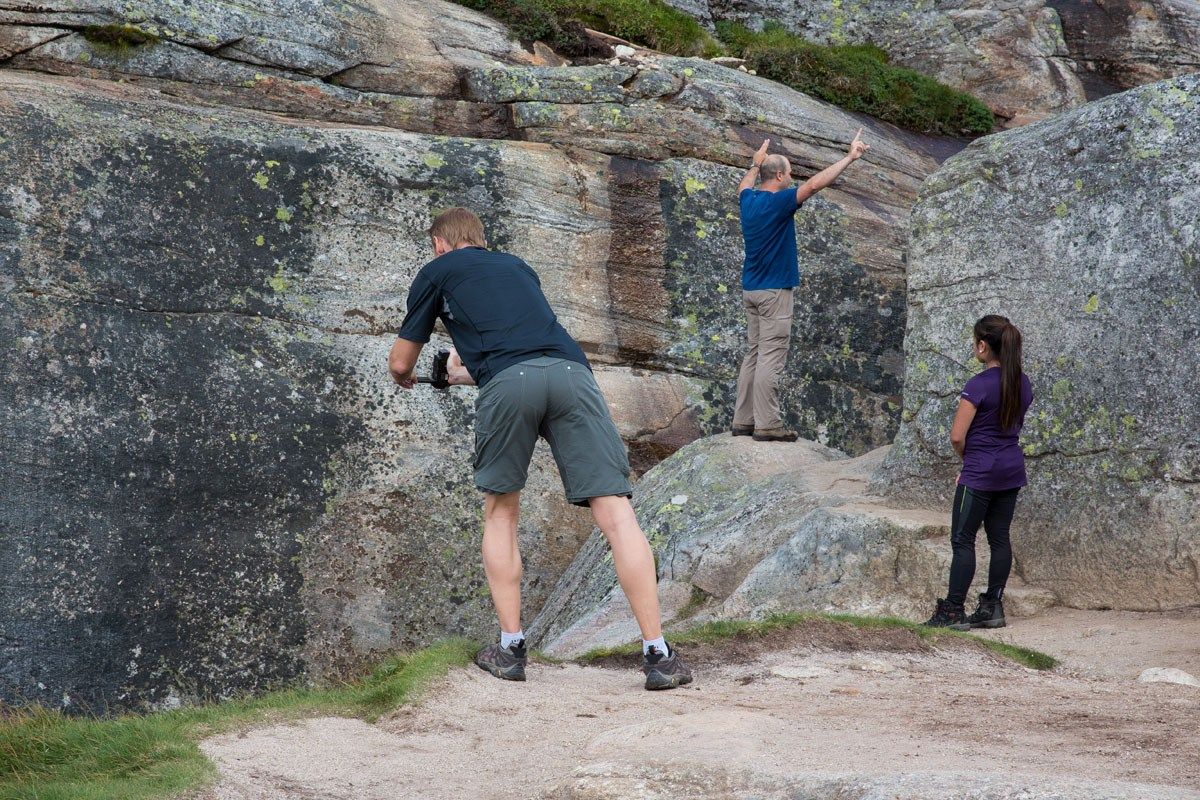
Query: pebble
[{"x": 799, "y": 672}]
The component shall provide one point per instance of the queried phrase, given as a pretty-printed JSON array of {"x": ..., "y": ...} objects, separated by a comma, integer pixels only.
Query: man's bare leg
[
  {"x": 633, "y": 559},
  {"x": 502, "y": 558}
]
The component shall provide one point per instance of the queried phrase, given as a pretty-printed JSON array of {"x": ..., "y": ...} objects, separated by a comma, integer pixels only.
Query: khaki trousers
[{"x": 769, "y": 324}]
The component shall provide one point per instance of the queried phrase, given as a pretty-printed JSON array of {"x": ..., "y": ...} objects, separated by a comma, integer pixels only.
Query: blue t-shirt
[
  {"x": 769, "y": 234},
  {"x": 492, "y": 305},
  {"x": 993, "y": 460}
]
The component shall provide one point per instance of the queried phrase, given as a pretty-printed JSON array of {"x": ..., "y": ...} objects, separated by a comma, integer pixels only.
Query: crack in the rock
[
  {"x": 120, "y": 304},
  {"x": 15, "y": 53}
]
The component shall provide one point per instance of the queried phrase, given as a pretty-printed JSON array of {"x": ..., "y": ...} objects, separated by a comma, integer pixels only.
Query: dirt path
[{"x": 853, "y": 713}]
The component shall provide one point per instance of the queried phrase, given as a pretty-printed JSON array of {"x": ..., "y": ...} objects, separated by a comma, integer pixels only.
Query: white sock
[
  {"x": 660, "y": 644},
  {"x": 507, "y": 640}
]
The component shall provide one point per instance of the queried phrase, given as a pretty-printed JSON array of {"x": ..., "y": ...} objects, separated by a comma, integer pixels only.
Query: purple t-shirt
[{"x": 993, "y": 460}]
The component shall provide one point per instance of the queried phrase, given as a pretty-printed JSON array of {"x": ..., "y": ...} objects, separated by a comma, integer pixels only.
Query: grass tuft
[
  {"x": 45, "y": 755},
  {"x": 858, "y": 78},
  {"x": 721, "y": 630},
  {"x": 560, "y": 23}
]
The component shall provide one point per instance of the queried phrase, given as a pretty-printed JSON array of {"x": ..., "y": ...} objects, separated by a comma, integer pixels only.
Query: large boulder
[
  {"x": 1085, "y": 231},
  {"x": 743, "y": 529},
  {"x": 209, "y": 217}
]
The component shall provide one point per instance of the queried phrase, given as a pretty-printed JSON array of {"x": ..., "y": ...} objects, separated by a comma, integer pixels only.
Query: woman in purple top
[{"x": 986, "y": 428}]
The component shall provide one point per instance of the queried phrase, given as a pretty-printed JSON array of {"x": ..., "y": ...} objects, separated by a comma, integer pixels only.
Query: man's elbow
[
  {"x": 399, "y": 364},
  {"x": 958, "y": 442}
]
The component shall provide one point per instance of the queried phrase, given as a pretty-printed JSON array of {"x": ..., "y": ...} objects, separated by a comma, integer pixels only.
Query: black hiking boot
[
  {"x": 507, "y": 663},
  {"x": 989, "y": 613},
  {"x": 742, "y": 430},
  {"x": 665, "y": 672},
  {"x": 948, "y": 616}
]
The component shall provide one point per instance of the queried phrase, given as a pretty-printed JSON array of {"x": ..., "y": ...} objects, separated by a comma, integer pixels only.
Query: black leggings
[{"x": 995, "y": 511}]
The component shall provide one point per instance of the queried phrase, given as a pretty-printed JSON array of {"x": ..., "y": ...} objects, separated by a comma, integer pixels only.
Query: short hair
[
  {"x": 458, "y": 226},
  {"x": 772, "y": 165}
]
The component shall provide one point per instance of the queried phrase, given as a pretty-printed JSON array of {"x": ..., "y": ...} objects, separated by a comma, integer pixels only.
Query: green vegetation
[
  {"x": 118, "y": 37},
  {"x": 722, "y": 630},
  {"x": 650, "y": 23},
  {"x": 854, "y": 77},
  {"x": 859, "y": 78},
  {"x": 560, "y": 23},
  {"x": 47, "y": 756}
]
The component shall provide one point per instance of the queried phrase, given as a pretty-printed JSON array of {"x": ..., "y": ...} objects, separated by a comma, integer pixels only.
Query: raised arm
[
  {"x": 751, "y": 176},
  {"x": 830, "y": 174}
]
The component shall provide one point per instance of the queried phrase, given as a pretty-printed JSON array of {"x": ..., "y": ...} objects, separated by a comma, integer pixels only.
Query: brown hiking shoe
[
  {"x": 665, "y": 672},
  {"x": 775, "y": 435},
  {"x": 506, "y": 663},
  {"x": 743, "y": 430}
]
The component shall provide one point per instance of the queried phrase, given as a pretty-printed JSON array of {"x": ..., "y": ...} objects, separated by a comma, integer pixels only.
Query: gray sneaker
[
  {"x": 665, "y": 672},
  {"x": 507, "y": 663},
  {"x": 775, "y": 435}
]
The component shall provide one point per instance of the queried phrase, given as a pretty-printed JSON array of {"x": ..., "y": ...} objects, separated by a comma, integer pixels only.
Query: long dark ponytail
[{"x": 1005, "y": 340}]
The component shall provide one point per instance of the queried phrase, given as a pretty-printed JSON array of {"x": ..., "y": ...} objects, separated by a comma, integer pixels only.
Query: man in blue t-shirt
[
  {"x": 534, "y": 381},
  {"x": 769, "y": 274}
]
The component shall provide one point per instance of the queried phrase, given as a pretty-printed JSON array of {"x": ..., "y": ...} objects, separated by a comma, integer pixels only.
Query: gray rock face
[
  {"x": 1121, "y": 45},
  {"x": 1085, "y": 231},
  {"x": 209, "y": 483},
  {"x": 743, "y": 529},
  {"x": 1026, "y": 60}
]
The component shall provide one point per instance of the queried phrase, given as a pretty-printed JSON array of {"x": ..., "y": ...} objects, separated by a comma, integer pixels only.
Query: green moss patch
[
  {"x": 859, "y": 78},
  {"x": 743, "y": 640},
  {"x": 47, "y": 756},
  {"x": 118, "y": 37}
]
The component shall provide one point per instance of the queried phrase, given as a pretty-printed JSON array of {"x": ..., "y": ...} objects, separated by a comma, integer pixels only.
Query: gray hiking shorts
[{"x": 560, "y": 401}]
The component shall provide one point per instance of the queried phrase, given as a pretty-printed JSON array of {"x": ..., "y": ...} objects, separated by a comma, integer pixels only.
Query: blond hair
[{"x": 458, "y": 226}]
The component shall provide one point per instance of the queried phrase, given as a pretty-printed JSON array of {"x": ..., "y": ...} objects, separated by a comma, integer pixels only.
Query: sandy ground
[
  {"x": 1111, "y": 643},
  {"x": 866, "y": 705}
]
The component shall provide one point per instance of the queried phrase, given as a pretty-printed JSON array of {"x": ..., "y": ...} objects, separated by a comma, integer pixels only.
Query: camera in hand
[{"x": 440, "y": 375}]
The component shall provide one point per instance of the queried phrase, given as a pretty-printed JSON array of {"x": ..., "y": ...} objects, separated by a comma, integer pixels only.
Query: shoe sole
[
  {"x": 742, "y": 433},
  {"x": 516, "y": 673},
  {"x": 961, "y": 626},
  {"x": 656, "y": 681},
  {"x": 991, "y": 623},
  {"x": 773, "y": 439}
]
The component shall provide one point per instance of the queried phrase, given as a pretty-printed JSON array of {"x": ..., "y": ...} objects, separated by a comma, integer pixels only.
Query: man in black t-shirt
[{"x": 533, "y": 380}]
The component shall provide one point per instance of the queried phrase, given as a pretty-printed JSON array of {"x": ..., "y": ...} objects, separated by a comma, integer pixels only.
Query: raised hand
[
  {"x": 858, "y": 146},
  {"x": 761, "y": 154}
]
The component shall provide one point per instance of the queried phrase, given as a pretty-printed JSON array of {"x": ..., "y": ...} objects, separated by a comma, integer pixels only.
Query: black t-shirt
[{"x": 492, "y": 305}]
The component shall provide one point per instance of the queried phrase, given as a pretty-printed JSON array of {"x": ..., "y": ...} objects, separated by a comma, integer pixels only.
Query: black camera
[{"x": 440, "y": 376}]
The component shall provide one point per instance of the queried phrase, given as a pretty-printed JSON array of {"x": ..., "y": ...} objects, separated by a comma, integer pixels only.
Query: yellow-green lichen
[
  {"x": 1092, "y": 305},
  {"x": 278, "y": 282}
]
